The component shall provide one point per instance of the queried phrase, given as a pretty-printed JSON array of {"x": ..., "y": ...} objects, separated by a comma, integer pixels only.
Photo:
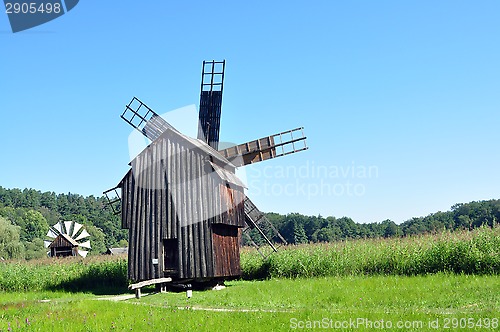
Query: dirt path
[{"x": 125, "y": 297}]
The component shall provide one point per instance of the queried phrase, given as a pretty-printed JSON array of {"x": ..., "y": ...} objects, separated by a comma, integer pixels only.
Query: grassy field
[
  {"x": 72, "y": 274},
  {"x": 475, "y": 252},
  {"x": 271, "y": 305},
  {"x": 447, "y": 281}
]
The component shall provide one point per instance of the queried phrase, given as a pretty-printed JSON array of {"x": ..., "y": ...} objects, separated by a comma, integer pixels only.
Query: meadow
[
  {"x": 469, "y": 252},
  {"x": 97, "y": 273},
  {"x": 425, "y": 283}
]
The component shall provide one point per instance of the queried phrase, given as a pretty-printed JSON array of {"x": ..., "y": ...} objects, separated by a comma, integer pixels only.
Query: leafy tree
[
  {"x": 35, "y": 226},
  {"x": 51, "y": 216},
  {"x": 123, "y": 243},
  {"x": 324, "y": 235},
  {"x": 15, "y": 216},
  {"x": 31, "y": 198},
  {"x": 5, "y": 197},
  {"x": 48, "y": 200},
  {"x": 390, "y": 228},
  {"x": 348, "y": 227},
  {"x": 96, "y": 239},
  {"x": 464, "y": 221},
  {"x": 17, "y": 198},
  {"x": 10, "y": 243},
  {"x": 299, "y": 234},
  {"x": 35, "y": 249}
]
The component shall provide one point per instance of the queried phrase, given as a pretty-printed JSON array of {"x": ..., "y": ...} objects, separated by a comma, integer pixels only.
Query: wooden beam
[{"x": 149, "y": 282}]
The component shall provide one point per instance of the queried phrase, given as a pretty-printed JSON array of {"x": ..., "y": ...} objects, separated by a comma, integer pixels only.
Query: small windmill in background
[{"x": 66, "y": 238}]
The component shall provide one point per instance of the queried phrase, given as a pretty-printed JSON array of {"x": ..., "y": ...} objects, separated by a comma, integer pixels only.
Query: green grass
[
  {"x": 417, "y": 279},
  {"x": 378, "y": 293},
  {"x": 270, "y": 305},
  {"x": 72, "y": 273},
  {"x": 475, "y": 252}
]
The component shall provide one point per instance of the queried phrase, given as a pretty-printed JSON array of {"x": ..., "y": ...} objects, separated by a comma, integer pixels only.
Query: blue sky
[{"x": 399, "y": 99}]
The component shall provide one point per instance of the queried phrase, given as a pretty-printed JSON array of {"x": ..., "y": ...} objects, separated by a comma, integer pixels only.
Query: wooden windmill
[
  {"x": 184, "y": 207},
  {"x": 67, "y": 238}
]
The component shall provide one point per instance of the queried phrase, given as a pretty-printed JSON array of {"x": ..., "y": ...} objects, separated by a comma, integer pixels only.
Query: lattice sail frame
[
  {"x": 112, "y": 199},
  {"x": 277, "y": 145},
  {"x": 212, "y": 86},
  {"x": 144, "y": 119},
  {"x": 255, "y": 219}
]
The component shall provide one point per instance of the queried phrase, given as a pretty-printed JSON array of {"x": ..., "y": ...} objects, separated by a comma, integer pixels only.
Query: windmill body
[
  {"x": 182, "y": 216},
  {"x": 181, "y": 201}
]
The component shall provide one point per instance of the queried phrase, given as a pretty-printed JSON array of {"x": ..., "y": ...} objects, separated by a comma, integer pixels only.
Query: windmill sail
[
  {"x": 83, "y": 253},
  {"x": 255, "y": 219},
  {"x": 82, "y": 235},
  {"x": 113, "y": 200},
  {"x": 277, "y": 145},
  {"x": 52, "y": 233},
  {"x": 144, "y": 119},
  {"x": 212, "y": 84},
  {"x": 68, "y": 225},
  {"x": 58, "y": 227},
  {"x": 76, "y": 228},
  {"x": 85, "y": 244}
]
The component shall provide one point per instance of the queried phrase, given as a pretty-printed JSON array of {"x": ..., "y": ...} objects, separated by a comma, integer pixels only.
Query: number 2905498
[{"x": 32, "y": 8}]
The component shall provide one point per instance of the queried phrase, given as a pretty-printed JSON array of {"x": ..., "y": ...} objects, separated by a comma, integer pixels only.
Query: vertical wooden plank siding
[
  {"x": 172, "y": 193},
  {"x": 141, "y": 266},
  {"x": 226, "y": 250}
]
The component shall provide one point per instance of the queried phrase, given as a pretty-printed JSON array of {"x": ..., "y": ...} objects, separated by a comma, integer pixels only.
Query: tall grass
[
  {"x": 475, "y": 252},
  {"x": 72, "y": 273}
]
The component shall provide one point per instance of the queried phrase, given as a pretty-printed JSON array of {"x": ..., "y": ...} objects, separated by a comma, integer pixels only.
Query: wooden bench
[{"x": 137, "y": 286}]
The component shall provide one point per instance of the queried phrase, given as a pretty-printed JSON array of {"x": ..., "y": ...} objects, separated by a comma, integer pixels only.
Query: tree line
[
  {"x": 25, "y": 217},
  {"x": 297, "y": 228}
]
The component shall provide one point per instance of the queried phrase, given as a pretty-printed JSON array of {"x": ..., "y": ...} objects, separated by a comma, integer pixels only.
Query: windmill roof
[
  {"x": 193, "y": 141},
  {"x": 117, "y": 251},
  {"x": 67, "y": 238},
  {"x": 205, "y": 148},
  {"x": 201, "y": 145},
  {"x": 228, "y": 176}
]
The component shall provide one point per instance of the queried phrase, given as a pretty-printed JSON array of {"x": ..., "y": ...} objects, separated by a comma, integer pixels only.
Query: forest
[{"x": 25, "y": 217}]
